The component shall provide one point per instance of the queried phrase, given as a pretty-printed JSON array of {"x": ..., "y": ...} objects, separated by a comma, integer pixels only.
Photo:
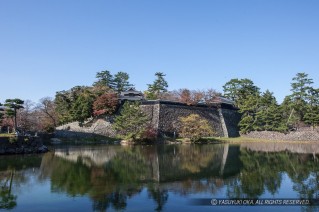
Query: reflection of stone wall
[
  {"x": 304, "y": 148},
  {"x": 90, "y": 156}
]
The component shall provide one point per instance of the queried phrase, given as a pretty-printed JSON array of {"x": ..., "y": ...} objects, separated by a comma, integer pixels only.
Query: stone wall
[
  {"x": 231, "y": 119},
  {"x": 21, "y": 145},
  {"x": 100, "y": 126},
  {"x": 306, "y": 135},
  {"x": 164, "y": 117}
]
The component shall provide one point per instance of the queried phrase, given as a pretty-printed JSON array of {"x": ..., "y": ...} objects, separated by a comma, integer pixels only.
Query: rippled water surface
[{"x": 159, "y": 177}]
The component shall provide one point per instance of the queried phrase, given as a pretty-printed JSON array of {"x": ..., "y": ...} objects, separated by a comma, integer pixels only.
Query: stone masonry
[{"x": 164, "y": 117}]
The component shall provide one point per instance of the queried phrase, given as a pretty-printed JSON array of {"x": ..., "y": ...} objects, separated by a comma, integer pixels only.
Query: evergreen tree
[
  {"x": 300, "y": 88},
  {"x": 311, "y": 116},
  {"x": 104, "y": 78},
  {"x": 75, "y": 104},
  {"x": 63, "y": 105},
  {"x": 121, "y": 82},
  {"x": 131, "y": 123},
  {"x": 269, "y": 116},
  {"x": 13, "y": 105},
  {"x": 158, "y": 87},
  {"x": 290, "y": 117},
  {"x": 239, "y": 90},
  {"x": 82, "y": 108},
  {"x": 248, "y": 109}
]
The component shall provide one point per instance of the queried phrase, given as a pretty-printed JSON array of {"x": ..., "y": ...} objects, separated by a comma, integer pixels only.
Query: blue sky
[{"x": 53, "y": 45}]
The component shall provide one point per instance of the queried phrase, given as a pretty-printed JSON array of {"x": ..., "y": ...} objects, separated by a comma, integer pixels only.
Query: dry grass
[
  {"x": 6, "y": 135},
  {"x": 251, "y": 140}
]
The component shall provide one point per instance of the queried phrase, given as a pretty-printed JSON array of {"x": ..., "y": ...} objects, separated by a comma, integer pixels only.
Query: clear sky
[{"x": 53, "y": 45}]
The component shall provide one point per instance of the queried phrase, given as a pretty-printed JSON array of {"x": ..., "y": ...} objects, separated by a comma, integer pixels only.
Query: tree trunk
[{"x": 15, "y": 120}]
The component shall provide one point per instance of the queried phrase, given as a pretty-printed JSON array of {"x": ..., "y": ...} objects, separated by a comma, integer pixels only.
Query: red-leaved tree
[{"x": 105, "y": 104}]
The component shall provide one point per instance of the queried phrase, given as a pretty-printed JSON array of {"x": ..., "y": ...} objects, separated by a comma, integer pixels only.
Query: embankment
[
  {"x": 21, "y": 145},
  {"x": 302, "y": 135}
]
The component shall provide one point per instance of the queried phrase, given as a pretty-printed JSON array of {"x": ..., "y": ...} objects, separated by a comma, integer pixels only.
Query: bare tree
[
  {"x": 24, "y": 115},
  {"x": 47, "y": 107}
]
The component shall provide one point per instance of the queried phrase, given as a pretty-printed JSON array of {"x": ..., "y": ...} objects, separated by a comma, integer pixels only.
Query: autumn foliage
[
  {"x": 105, "y": 104},
  {"x": 194, "y": 127}
]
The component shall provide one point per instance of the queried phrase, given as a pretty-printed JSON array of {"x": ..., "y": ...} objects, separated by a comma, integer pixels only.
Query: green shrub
[{"x": 13, "y": 140}]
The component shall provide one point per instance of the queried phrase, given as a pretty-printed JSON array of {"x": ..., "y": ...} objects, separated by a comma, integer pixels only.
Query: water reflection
[
  {"x": 12, "y": 170},
  {"x": 111, "y": 176}
]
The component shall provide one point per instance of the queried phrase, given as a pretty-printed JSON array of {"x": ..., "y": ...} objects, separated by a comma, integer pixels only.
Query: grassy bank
[
  {"x": 6, "y": 135},
  {"x": 89, "y": 140},
  {"x": 238, "y": 140}
]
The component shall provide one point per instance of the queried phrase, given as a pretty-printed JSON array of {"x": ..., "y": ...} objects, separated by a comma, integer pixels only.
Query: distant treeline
[{"x": 260, "y": 110}]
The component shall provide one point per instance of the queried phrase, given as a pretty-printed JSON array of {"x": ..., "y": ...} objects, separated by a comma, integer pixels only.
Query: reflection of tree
[
  {"x": 116, "y": 200},
  {"x": 304, "y": 172},
  {"x": 129, "y": 167},
  {"x": 8, "y": 200},
  {"x": 263, "y": 172},
  {"x": 197, "y": 161},
  {"x": 108, "y": 186},
  {"x": 160, "y": 196}
]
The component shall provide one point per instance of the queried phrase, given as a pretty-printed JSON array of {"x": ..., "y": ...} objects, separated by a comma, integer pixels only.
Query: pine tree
[
  {"x": 239, "y": 90},
  {"x": 311, "y": 116},
  {"x": 300, "y": 88},
  {"x": 104, "y": 78},
  {"x": 132, "y": 122},
  {"x": 158, "y": 87},
  {"x": 248, "y": 110},
  {"x": 269, "y": 115},
  {"x": 13, "y": 106},
  {"x": 121, "y": 82},
  {"x": 82, "y": 107}
]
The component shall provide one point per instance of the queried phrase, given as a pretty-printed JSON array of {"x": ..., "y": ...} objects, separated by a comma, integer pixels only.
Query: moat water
[{"x": 160, "y": 177}]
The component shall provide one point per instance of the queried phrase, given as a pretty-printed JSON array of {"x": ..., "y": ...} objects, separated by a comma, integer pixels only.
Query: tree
[
  {"x": 185, "y": 96},
  {"x": 75, "y": 104},
  {"x": 290, "y": 116},
  {"x": 210, "y": 96},
  {"x": 48, "y": 108},
  {"x": 1, "y": 114},
  {"x": 248, "y": 109},
  {"x": 311, "y": 116},
  {"x": 104, "y": 78},
  {"x": 121, "y": 82},
  {"x": 192, "y": 97},
  {"x": 131, "y": 123},
  {"x": 158, "y": 87},
  {"x": 300, "y": 88},
  {"x": 238, "y": 90},
  {"x": 25, "y": 116},
  {"x": 269, "y": 115},
  {"x": 194, "y": 127},
  {"x": 105, "y": 104},
  {"x": 82, "y": 108},
  {"x": 13, "y": 105},
  {"x": 63, "y": 106}
]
